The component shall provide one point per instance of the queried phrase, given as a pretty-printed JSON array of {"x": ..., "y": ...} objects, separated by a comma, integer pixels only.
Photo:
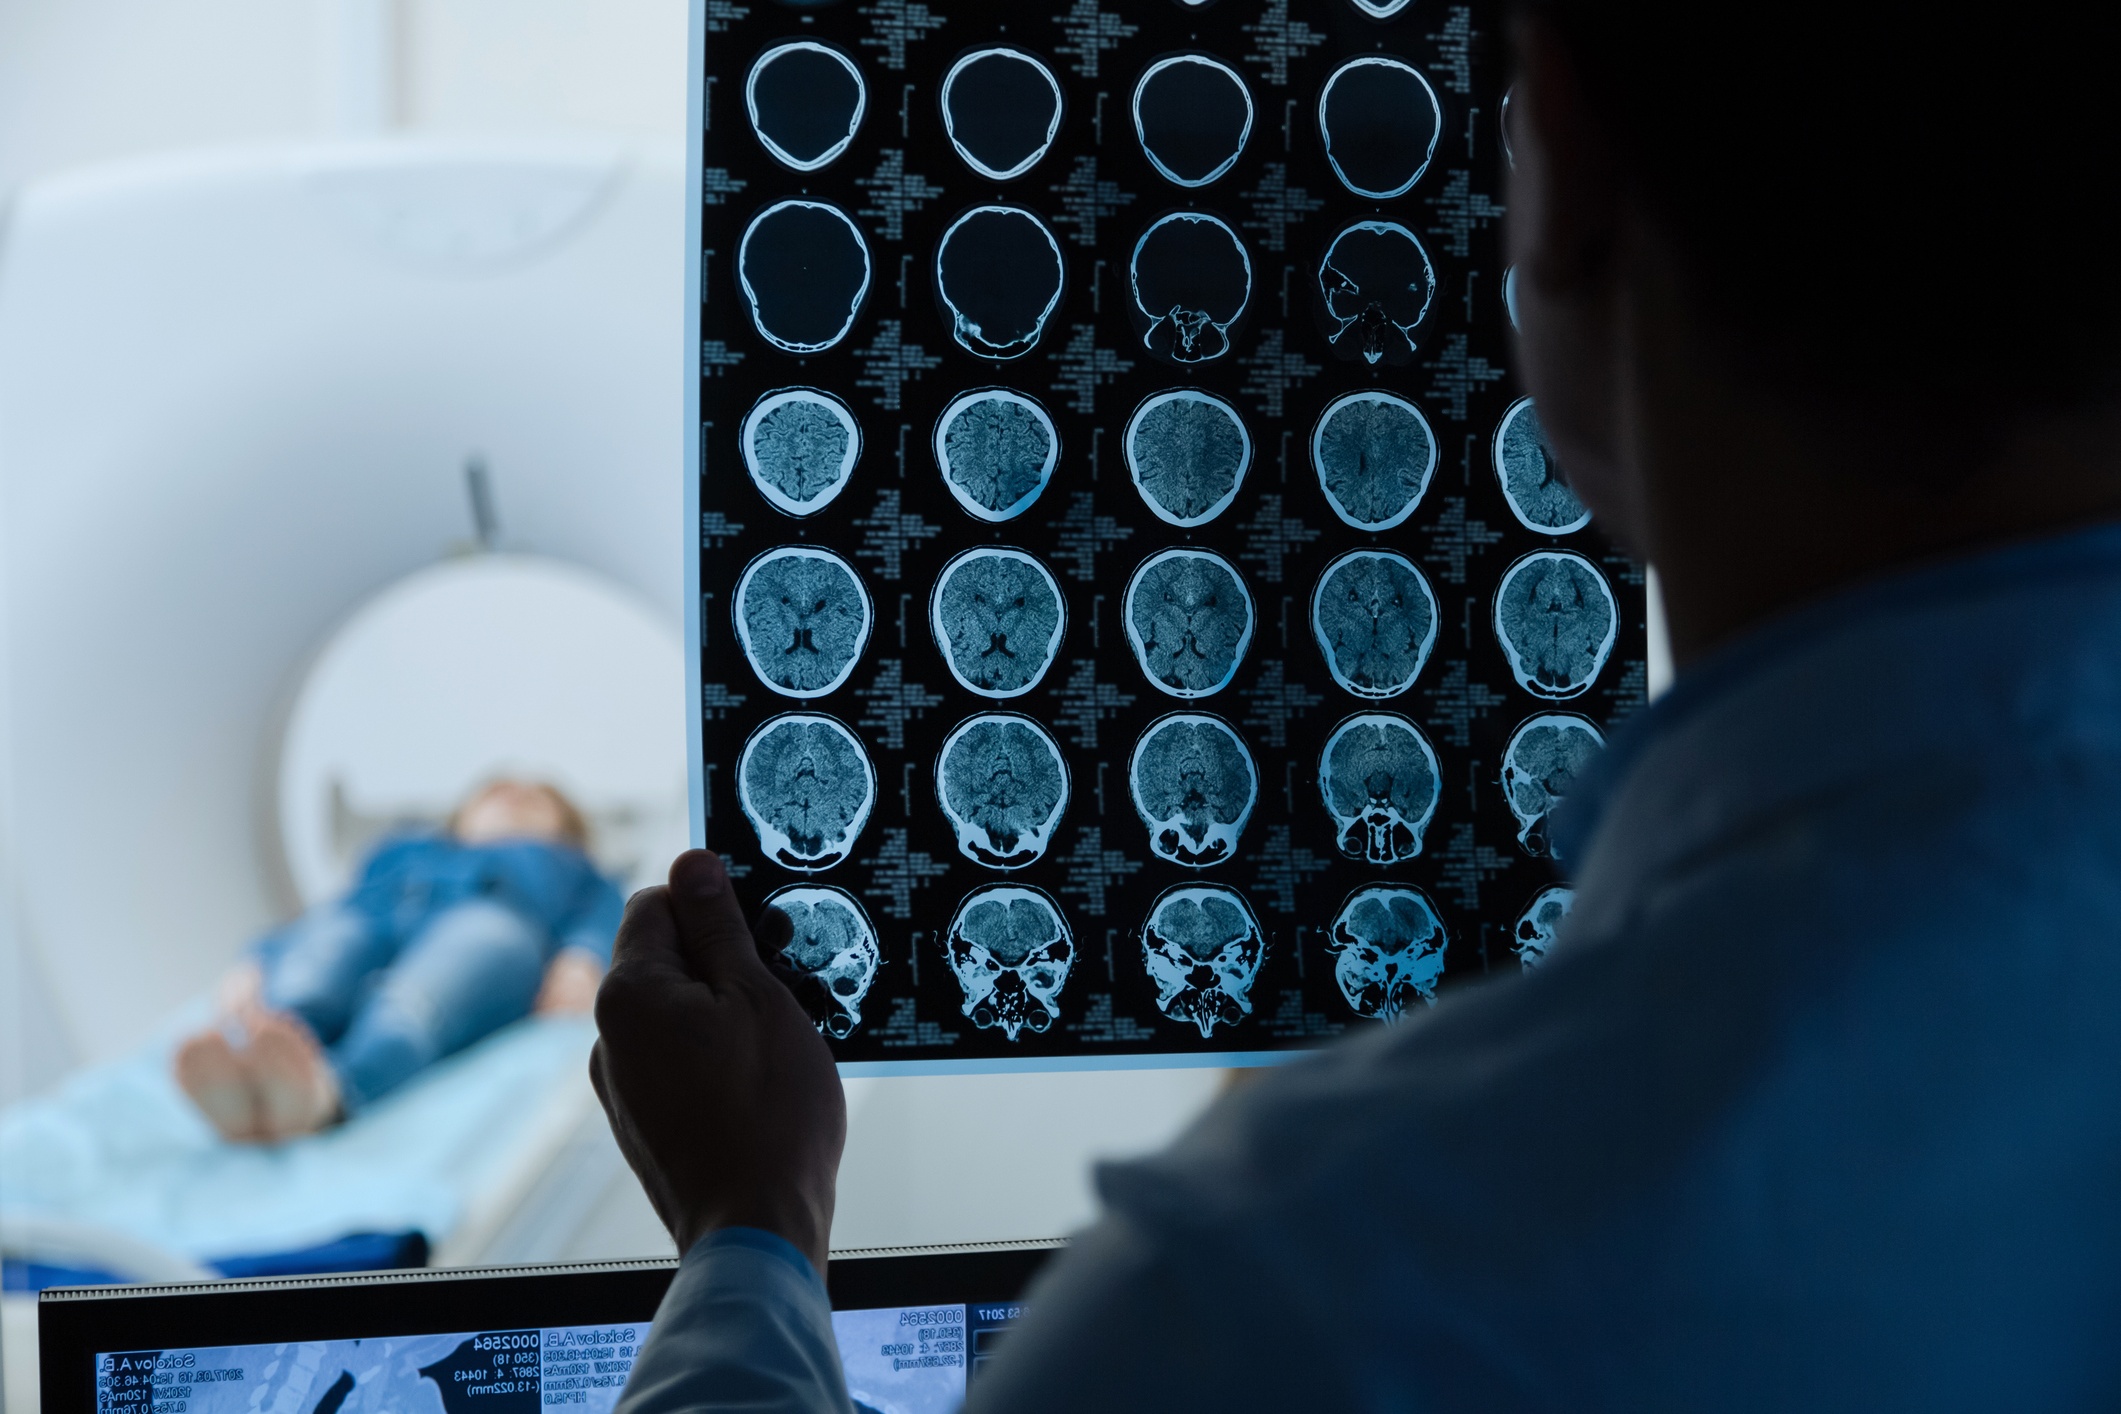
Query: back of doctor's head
[{"x": 1907, "y": 204}]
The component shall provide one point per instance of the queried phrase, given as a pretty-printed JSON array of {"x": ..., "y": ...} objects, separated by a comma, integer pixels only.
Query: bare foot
[
  {"x": 209, "y": 1070},
  {"x": 297, "y": 1093}
]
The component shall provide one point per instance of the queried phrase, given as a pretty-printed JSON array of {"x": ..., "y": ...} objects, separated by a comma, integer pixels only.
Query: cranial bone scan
[
  {"x": 1388, "y": 950},
  {"x": 1375, "y": 618},
  {"x": 803, "y": 618},
  {"x": 997, "y": 450},
  {"x": 998, "y": 616},
  {"x": 1193, "y": 115},
  {"x": 1194, "y": 785},
  {"x": 1190, "y": 278},
  {"x": 804, "y": 269},
  {"x": 1556, "y": 619},
  {"x": 1540, "y": 924},
  {"x": 1010, "y": 949},
  {"x": 1379, "y": 120},
  {"x": 1380, "y": 9},
  {"x": 805, "y": 101},
  {"x": 1187, "y": 452},
  {"x": 999, "y": 272},
  {"x": 1203, "y": 948},
  {"x": 1001, "y": 108},
  {"x": 1531, "y": 483},
  {"x": 1003, "y": 783},
  {"x": 832, "y": 940},
  {"x": 1188, "y": 617},
  {"x": 1374, "y": 455},
  {"x": 800, "y": 446},
  {"x": 1376, "y": 283},
  {"x": 1380, "y": 780},
  {"x": 1546, "y": 756},
  {"x": 807, "y": 786}
]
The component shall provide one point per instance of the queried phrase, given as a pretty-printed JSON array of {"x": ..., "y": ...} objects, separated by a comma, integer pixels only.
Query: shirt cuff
[{"x": 758, "y": 1240}]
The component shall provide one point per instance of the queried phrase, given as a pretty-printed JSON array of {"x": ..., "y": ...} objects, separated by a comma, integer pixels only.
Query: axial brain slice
[
  {"x": 1203, "y": 948},
  {"x": 1541, "y": 765},
  {"x": 1540, "y": 924},
  {"x": 1004, "y": 786},
  {"x": 1375, "y": 620},
  {"x": 999, "y": 272},
  {"x": 800, "y": 446},
  {"x": 1388, "y": 946},
  {"x": 1531, "y": 483},
  {"x": 803, "y": 619},
  {"x": 1194, "y": 786},
  {"x": 831, "y": 939},
  {"x": 1374, "y": 455},
  {"x": 807, "y": 788},
  {"x": 998, "y": 616},
  {"x": 1191, "y": 280},
  {"x": 1380, "y": 783},
  {"x": 1187, "y": 453},
  {"x": 997, "y": 452},
  {"x": 1556, "y": 620},
  {"x": 804, "y": 269},
  {"x": 1376, "y": 283},
  {"x": 1189, "y": 620},
  {"x": 1010, "y": 950}
]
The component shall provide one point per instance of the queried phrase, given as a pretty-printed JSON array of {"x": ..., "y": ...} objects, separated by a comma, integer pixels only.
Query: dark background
[{"x": 898, "y": 524}]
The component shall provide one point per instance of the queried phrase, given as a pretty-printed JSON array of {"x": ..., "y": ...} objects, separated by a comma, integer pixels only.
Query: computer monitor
[{"x": 913, "y": 1326}]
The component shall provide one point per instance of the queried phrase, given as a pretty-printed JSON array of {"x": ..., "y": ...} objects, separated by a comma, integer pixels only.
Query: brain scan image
[
  {"x": 1380, "y": 781},
  {"x": 1187, "y": 452},
  {"x": 1534, "y": 487},
  {"x": 1010, "y": 949},
  {"x": 803, "y": 268},
  {"x": 833, "y": 941},
  {"x": 1376, "y": 283},
  {"x": 1001, "y": 108},
  {"x": 1003, "y": 784},
  {"x": 1194, "y": 786},
  {"x": 803, "y": 618},
  {"x": 1556, "y": 619},
  {"x": 807, "y": 787},
  {"x": 800, "y": 446},
  {"x": 1509, "y": 294},
  {"x": 1203, "y": 948},
  {"x": 1380, "y": 9},
  {"x": 806, "y": 101},
  {"x": 1191, "y": 279},
  {"x": 1193, "y": 115},
  {"x": 1374, "y": 455},
  {"x": 1540, "y": 924},
  {"x": 997, "y": 451},
  {"x": 998, "y": 616},
  {"x": 1379, "y": 120},
  {"x": 1375, "y": 618},
  {"x": 1546, "y": 756},
  {"x": 999, "y": 272},
  {"x": 1388, "y": 950},
  {"x": 1188, "y": 617}
]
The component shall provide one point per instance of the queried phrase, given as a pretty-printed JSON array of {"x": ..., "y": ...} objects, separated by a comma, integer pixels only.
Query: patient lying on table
[{"x": 444, "y": 939}]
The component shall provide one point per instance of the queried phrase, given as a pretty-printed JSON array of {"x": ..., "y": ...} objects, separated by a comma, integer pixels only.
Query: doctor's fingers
[{"x": 712, "y": 936}]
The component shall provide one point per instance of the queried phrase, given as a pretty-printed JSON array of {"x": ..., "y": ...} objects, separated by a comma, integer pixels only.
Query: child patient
[{"x": 444, "y": 939}]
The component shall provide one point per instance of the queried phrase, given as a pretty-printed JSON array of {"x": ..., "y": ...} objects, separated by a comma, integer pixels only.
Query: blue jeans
[{"x": 383, "y": 1010}]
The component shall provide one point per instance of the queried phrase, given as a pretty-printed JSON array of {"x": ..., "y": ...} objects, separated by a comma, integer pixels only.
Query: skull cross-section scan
[
  {"x": 1191, "y": 279},
  {"x": 832, "y": 940},
  {"x": 1388, "y": 950},
  {"x": 1546, "y": 756},
  {"x": 1375, "y": 618},
  {"x": 1374, "y": 455},
  {"x": 1003, "y": 784},
  {"x": 1187, "y": 452},
  {"x": 1192, "y": 114},
  {"x": 1010, "y": 949},
  {"x": 1556, "y": 619},
  {"x": 1375, "y": 283},
  {"x": 1379, "y": 120},
  {"x": 803, "y": 267},
  {"x": 999, "y": 272},
  {"x": 803, "y": 618},
  {"x": 1188, "y": 618},
  {"x": 998, "y": 616},
  {"x": 800, "y": 446},
  {"x": 1194, "y": 785},
  {"x": 805, "y": 101},
  {"x": 1538, "y": 496},
  {"x": 807, "y": 786},
  {"x": 1203, "y": 948},
  {"x": 1380, "y": 781},
  {"x": 1540, "y": 924},
  {"x": 1001, "y": 109},
  {"x": 997, "y": 450}
]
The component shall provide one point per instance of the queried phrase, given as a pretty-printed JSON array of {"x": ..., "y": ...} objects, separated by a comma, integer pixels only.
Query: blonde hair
[{"x": 574, "y": 826}]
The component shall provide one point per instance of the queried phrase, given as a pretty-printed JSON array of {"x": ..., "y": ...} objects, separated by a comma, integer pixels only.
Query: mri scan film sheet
[{"x": 1139, "y": 621}]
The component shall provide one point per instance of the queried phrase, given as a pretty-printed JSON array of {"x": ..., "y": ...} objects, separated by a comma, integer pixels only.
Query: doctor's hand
[{"x": 721, "y": 1093}]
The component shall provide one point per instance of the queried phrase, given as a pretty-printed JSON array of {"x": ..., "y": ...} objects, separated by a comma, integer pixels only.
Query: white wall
[{"x": 89, "y": 80}]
